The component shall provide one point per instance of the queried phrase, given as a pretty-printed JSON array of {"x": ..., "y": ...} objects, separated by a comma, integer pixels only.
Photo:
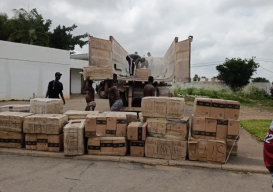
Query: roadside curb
[{"x": 141, "y": 160}]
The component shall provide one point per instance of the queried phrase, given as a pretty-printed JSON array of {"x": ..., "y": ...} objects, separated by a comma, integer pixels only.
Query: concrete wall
[
  {"x": 219, "y": 85},
  {"x": 25, "y": 70}
]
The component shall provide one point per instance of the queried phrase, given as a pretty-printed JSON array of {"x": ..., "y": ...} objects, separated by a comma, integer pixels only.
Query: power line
[
  {"x": 206, "y": 65},
  {"x": 208, "y": 62},
  {"x": 266, "y": 69},
  {"x": 264, "y": 59}
]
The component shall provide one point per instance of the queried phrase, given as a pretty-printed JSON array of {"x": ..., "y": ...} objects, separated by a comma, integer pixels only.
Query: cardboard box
[
  {"x": 175, "y": 107},
  {"x": 74, "y": 114},
  {"x": 98, "y": 72},
  {"x": 136, "y": 131},
  {"x": 101, "y": 123},
  {"x": 31, "y": 141},
  {"x": 193, "y": 149},
  {"x": 218, "y": 108},
  {"x": 15, "y": 108},
  {"x": 202, "y": 149},
  {"x": 178, "y": 129},
  {"x": 137, "y": 148},
  {"x": 42, "y": 142},
  {"x": 122, "y": 122},
  {"x": 147, "y": 106},
  {"x": 4, "y": 139},
  {"x": 55, "y": 142},
  {"x": 16, "y": 140},
  {"x": 179, "y": 150},
  {"x": 164, "y": 149},
  {"x": 93, "y": 146},
  {"x": 221, "y": 132},
  {"x": 202, "y": 107},
  {"x": 151, "y": 144},
  {"x": 157, "y": 125},
  {"x": 232, "y": 110},
  {"x": 74, "y": 138},
  {"x": 111, "y": 125},
  {"x": 199, "y": 127},
  {"x": 216, "y": 151},
  {"x": 45, "y": 123},
  {"x": 106, "y": 147},
  {"x": 211, "y": 125},
  {"x": 46, "y": 106},
  {"x": 119, "y": 146},
  {"x": 12, "y": 121},
  {"x": 90, "y": 126},
  {"x": 233, "y": 130},
  {"x": 143, "y": 73}
]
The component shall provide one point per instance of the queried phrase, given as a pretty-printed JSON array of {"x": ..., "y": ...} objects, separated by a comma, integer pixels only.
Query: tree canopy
[
  {"x": 236, "y": 73},
  {"x": 260, "y": 79},
  {"x": 31, "y": 28}
]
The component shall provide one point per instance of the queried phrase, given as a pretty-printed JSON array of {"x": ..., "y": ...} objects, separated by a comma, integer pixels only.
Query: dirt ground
[{"x": 77, "y": 102}]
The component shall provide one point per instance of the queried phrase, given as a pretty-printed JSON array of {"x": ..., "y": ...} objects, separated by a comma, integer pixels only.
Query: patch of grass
[
  {"x": 254, "y": 97},
  {"x": 258, "y": 128}
]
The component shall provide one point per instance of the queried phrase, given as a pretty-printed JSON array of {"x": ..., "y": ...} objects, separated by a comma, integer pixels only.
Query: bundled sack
[
  {"x": 12, "y": 121},
  {"x": 46, "y": 106},
  {"x": 74, "y": 114},
  {"x": 15, "y": 108}
]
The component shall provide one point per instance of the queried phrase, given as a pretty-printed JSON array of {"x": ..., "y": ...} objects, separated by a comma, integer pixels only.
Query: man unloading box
[
  {"x": 113, "y": 95},
  {"x": 55, "y": 88},
  {"x": 149, "y": 89},
  {"x": 90, "y": 95},
  {"x": 133, "y": 60}
]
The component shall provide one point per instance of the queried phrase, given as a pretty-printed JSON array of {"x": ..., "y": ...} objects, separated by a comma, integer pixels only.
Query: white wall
[
  {"x": 78, "y": 64},
  {"x": 75, "y": 81},
  {"x": 25, "y": 70}
]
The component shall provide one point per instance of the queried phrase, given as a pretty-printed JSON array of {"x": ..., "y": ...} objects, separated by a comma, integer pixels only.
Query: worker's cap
[{"x": 58, "y": 74}]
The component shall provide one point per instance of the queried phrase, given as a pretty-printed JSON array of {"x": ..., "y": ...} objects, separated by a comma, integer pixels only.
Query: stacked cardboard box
[
  {"x": 143, "y": 73},
  {"x": 167, "y": 128},
  {"x": 74, "y": 137},
  {"x": 214, "y": 121},
  {"x": 15, "y": 108},
  {"x": 74, "y": 114},
  {"x": 46, "y": 106},
  {"x": 11, "y": 129},
  {"x": 106, "y": 133},
  {"x": 44, "y": 132}
]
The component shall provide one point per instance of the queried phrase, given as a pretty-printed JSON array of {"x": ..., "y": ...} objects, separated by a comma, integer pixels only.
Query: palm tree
[{"x": 28, "y": 27}]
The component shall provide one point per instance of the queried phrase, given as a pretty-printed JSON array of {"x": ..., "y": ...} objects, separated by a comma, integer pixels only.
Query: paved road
[{"x": 20, "y": 173}]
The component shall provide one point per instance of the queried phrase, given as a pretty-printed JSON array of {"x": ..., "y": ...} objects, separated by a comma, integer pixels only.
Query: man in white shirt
[{"x": 151, "y": 59}]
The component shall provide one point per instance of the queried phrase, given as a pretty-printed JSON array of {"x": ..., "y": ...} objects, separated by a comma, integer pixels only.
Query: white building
[{"x": 25, "y": 71}]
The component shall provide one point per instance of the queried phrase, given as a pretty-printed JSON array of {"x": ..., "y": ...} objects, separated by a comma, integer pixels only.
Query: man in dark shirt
[
  {"x": 133, "y": 60},
  {"x": 149, "y": 89},
  {"x": 55, "y": 88}
]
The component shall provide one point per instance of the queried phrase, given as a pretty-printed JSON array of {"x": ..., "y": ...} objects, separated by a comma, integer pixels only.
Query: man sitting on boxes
[
  {"x": 113, "y": 95},
  {"x": 133, "y": 59},
  {"x": 90, "y": 95},
  {"x": 149, "y": 89},
  {"x": 55, "y": 88}
]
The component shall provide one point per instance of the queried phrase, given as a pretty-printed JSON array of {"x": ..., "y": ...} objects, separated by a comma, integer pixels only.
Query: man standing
[
  {"x": 55, "y": 88},
  {"x": 149, "y": 89},
  {"x": 151, "y": 59},
  {"x": 114, "y": 95},
  {"x": 90, "y": 95},
  {"x": 133, "y": 60}
]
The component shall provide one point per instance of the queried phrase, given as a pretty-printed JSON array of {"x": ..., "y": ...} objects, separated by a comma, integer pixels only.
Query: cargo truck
[{"x": 174, "y": 66}]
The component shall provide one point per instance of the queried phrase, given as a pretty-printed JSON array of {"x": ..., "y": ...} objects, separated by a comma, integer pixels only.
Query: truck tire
[{"x": 101, "y": 92}]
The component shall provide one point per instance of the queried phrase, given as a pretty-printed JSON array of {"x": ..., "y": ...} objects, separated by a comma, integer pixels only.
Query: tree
[
  {"x": 236, "y": 73},
  {"x": 61, "y": 38},
  {"x": 260, "y": 79},
  {"x": 5, "y": 27},
  {"x": 29, "y": 27},
  {"x": 196, "y": 78}
]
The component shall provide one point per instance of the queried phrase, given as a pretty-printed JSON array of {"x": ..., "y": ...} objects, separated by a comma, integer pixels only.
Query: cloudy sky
[{"x": 220, "y": 28}]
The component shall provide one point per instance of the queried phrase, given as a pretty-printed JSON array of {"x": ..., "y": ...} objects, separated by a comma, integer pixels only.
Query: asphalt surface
[{"x": 19, "y": 173}]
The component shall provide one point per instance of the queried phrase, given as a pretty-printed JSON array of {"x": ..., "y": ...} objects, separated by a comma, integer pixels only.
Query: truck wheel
[{"x": 101, "y": 93}]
